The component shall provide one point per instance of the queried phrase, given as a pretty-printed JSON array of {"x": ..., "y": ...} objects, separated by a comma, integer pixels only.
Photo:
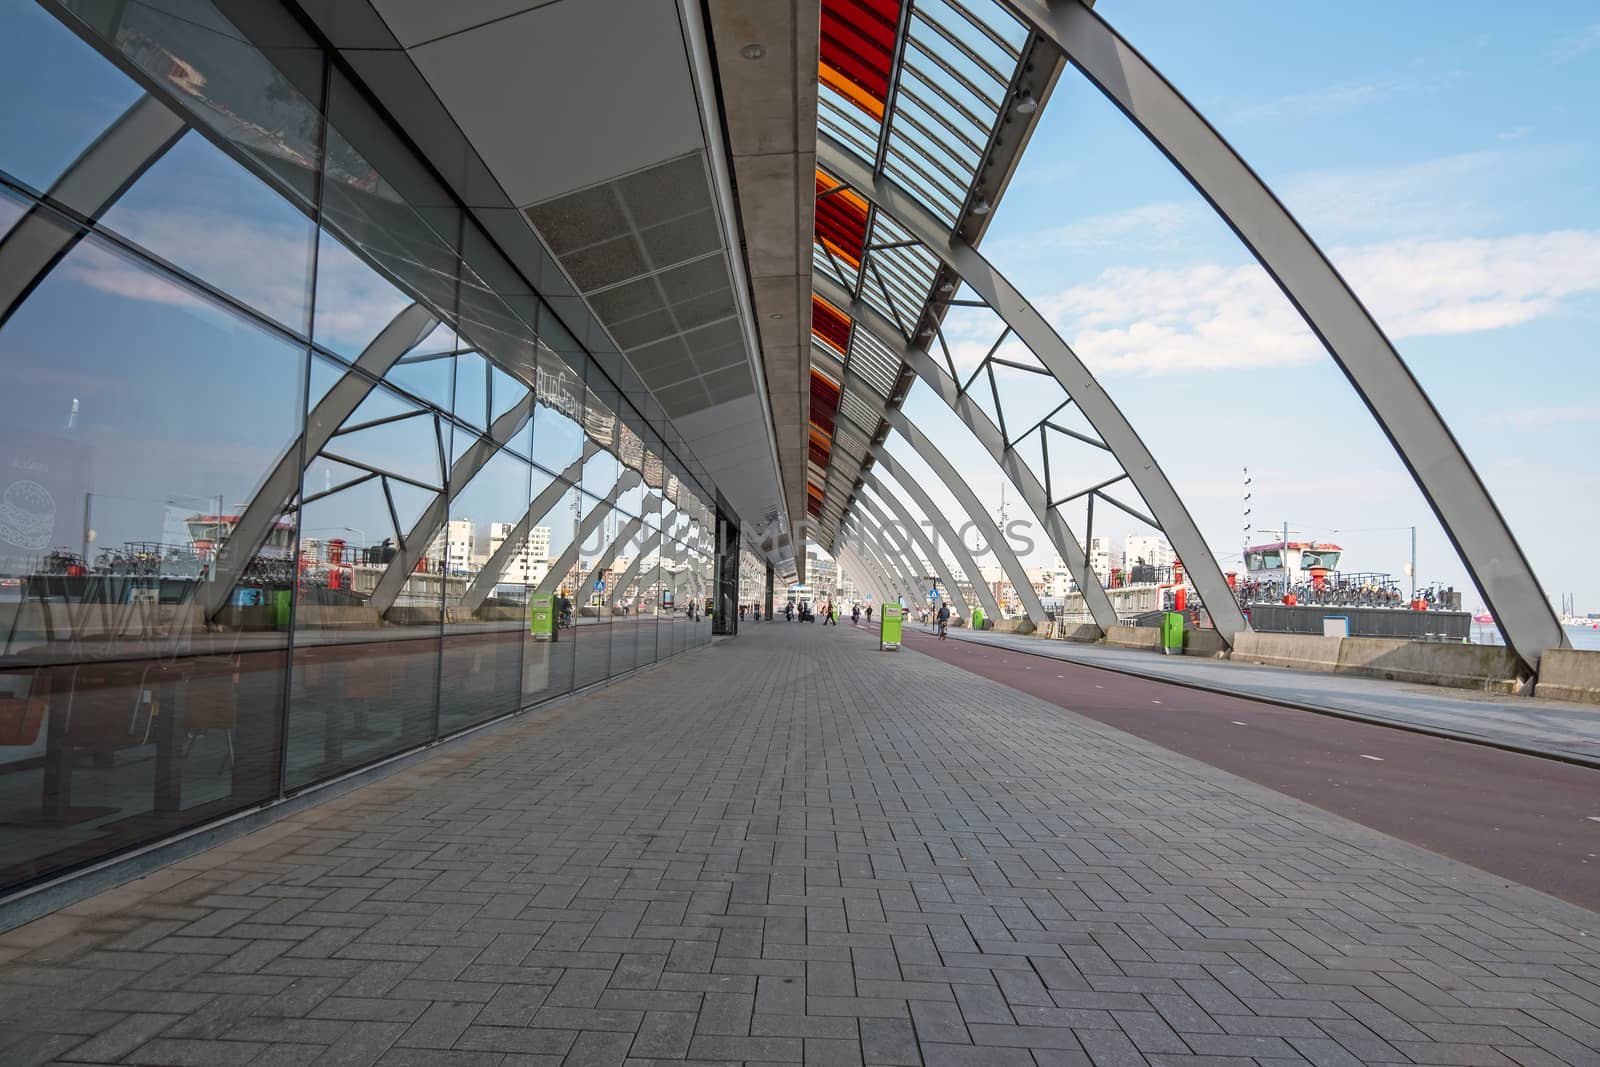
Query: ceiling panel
[{"x": 527, "y": 92}]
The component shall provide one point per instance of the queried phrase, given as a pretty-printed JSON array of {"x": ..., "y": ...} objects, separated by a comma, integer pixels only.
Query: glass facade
[{"x": 288, "y": 448}]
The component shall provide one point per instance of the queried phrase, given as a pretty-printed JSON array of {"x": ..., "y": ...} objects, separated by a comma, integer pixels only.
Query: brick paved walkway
[{"x": 792, "y": 848}]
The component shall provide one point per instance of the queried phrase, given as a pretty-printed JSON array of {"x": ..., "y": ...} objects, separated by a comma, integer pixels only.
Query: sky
[{"x": 1450, "y": 168}]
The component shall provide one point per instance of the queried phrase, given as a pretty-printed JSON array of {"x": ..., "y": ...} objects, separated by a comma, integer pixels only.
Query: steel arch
[
  {"x": 900, "y": 540},
  {"x": 874, "y": 544},
  {"x": 538, "y": 508},
  {"x": 975, "y": 514},
  {"x": 628, "y": 532},
  {"x": 1013, "y": 465},
  {"x": 870, "y": 579},
  {"x": 946, "y": 575},
  {"x": 1329, "y": 306},
  {"x": 590, "y": 522},
  {"x": 941, "y": 526},
  {"x": 403, "y": 333},
  {"x": 1047, "y": 346}
]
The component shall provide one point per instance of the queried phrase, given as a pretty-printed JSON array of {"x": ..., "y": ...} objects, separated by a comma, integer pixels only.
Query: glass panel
[
  {"x": 264, "y": 107},
  {"x": 134, "y": 717},
  {"x": 72, "y": 95},
  {"x": 428, "y": 377},
  {"x": 561, "y": 519},
  {"x": 485, "y": 608},
  {"x": 472, "y": 390},
  {"x": 257, "y": 247},
  {"x": 557, "y": 430},
  {"x": 639, "y": 592},
  {"x": 593, "y": 632},
  {"x": 366, "y": 632}
]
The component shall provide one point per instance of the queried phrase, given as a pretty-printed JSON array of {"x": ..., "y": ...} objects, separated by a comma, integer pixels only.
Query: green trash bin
[
  {"x": 977, "y": 618},
  {"x": 1172, "y": 633}
]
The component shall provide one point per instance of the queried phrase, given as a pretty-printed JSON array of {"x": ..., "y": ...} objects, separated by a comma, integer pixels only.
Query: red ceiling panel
[
  {"x": 830, "y": 324},
  {"x": 841, "y": 220},
  {"x": 857, "y": 46}
]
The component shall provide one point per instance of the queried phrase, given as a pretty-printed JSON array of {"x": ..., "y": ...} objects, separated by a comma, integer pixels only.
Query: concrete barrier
[
  {"x": 1134, "y": 637},
  {"x": 337, "y": 617},
  {"x": 1569, "y": 674},
  {"x": 1301, "y": 651},
  {"x": 1204, "y": 643},
  {"x": 1078, "y": 631},
  {"x": 1491, "y": 668},
  {"x": 1012, "y": 626}
]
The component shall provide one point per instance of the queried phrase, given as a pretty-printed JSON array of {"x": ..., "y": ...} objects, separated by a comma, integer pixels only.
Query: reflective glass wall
[{"x": 288, "y": 452}]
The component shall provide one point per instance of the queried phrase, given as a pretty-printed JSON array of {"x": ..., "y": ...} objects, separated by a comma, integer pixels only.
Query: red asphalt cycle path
[{"x": 1530, "y": 820}]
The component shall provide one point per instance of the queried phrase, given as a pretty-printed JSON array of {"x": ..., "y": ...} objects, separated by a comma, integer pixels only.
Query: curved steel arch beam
[
  {"x": 1012, "y": 464},
  {"x": 941, "y": 526},
  {"x": 415, "y": 543},
  {"x": 624, "y": 535},
  {"x": 1058, "y": 358},
  {"x": 596, "y": 515},
  {"x": 96, "y": 180},
  {"x": 898, "y": 542},
  {"x": 869, "y": 541},
  {"x": 929, "y": 549},
  {"x": 898, "y": 590},
  {"x": 862, "y": 575},
  {"x": 651, "y": 543},
  {"x": 403, "y": 333},
  {"x": 1329, "y": 306},
  {"x": 872, "y": 543},
  {"x": 489, "y": 574},
  {"x": 980, "y": 518}
]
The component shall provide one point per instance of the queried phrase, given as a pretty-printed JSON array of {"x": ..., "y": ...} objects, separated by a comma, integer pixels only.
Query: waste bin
[
  {"x": 1172, "y": 633},
  {"x": 889, "y": 627},
  {"x": 977, "y": 619}
]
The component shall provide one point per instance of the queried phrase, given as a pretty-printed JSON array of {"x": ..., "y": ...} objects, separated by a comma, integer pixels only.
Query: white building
[
  {"x": 530, "y": 561},
  {"x": 1150, "y": 548},
  {"x": 452, "y": 548},
  {"x": 1101, "y": 558}
]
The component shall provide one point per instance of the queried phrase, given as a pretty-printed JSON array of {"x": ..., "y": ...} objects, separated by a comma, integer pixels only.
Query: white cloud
[
  {"x": 1434, "y": 196},
  {"x": 265, "y": 265},
  {"x": 1547, "y": 416},
  {"x": 1328, "y": 100},
  {"x": 1212, "y": 316},
  {"x": 1582, "y": 42},
  {"x": 1158, "y": 224}
]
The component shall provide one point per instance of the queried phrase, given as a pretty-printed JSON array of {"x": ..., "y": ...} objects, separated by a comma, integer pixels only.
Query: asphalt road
[{"x": 1530, "y": 820}]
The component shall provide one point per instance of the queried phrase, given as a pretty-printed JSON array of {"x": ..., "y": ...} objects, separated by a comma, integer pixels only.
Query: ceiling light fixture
[
  {"x": 1026, "y": 104},
  {"x": 752, "y": 51},
  {"x": 980, "y": 206},
  {"x": 947, "y": 287}
]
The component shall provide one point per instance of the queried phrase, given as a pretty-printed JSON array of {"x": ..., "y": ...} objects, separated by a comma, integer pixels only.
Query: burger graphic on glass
[{"x": 27, "y": 515}]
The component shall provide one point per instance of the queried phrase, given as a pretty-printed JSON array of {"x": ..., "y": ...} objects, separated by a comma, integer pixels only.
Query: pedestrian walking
[{"x": 869, "y": 614}]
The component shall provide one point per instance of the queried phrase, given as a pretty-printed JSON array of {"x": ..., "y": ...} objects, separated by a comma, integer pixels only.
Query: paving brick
[{"x": 760, "y": 854}]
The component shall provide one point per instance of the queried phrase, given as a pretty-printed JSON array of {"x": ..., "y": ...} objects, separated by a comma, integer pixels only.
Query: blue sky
[{"x": 1448, "y": 159}]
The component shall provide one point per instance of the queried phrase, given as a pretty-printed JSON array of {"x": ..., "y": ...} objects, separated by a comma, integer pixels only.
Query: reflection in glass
[
  {"x": 481, "y": 674},
  {"x": 127, "y": 716},
  {"x": 207, "y": 459}
]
